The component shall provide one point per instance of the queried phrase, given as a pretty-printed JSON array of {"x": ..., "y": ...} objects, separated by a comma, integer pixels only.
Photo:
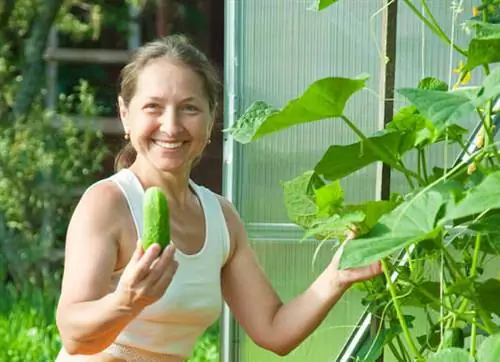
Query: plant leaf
[
  {"x": 325, "y": 98},
  {"x": 334, "y": 227},
  {"x": 412, "y": 221},
  {"x": 488, "y": 295},
  {"x": 484, "y": 30},
  {"x": 420, "y": 131},
  {"x": 442, "y": 108},
  {"x": 451, "y": 354},
  {"x": 489, "y": 350},
  {"x": 329, "y": 198},
  {"x": 299, "y": 200},
  {"x": 482, "y": 197},
  {"x": 490, "y": 88},
  {"x": 322, "y": 4},
  {"x": 433, "y": 83},
  {"x": 340, "y": 161},
  {"x": 483, "y": 51}
]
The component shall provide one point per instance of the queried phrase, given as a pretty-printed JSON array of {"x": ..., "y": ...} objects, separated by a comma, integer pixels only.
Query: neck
[{"x": 174, "y": 184}]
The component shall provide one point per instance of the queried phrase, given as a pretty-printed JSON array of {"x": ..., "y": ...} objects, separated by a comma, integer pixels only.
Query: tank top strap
[
  {"x": 217, "y": 229},
  {"x": 133, "y": 192}
]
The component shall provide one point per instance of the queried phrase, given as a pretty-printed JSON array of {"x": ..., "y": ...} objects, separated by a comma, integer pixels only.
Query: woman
[{"x": 119, "y": 303}]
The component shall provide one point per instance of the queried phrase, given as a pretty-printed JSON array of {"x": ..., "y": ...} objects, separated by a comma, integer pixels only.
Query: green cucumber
[
  {"x": 454, "y": 337},
  {"x": 156, "y": 221}
]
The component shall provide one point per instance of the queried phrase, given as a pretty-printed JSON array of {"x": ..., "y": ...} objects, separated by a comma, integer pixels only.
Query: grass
[{"x": 28, "y": 332}]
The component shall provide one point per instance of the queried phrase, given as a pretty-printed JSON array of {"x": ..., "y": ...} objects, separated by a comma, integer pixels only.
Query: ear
[{"x": 123, "y": 109}]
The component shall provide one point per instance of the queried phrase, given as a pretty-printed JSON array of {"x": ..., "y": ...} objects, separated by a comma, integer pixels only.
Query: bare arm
[
  {"x": 89, "y": 318},
  {"x": 272, "y": 324}
]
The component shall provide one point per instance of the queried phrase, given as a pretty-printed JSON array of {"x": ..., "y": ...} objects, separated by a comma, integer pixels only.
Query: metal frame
[{"x": 228, "y": 331}]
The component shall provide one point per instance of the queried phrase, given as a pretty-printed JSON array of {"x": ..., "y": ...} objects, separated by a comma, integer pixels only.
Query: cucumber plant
[{"x": 448, "y": 221}]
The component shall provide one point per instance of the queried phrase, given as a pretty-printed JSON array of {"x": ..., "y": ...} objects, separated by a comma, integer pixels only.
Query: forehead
[{"x": 164, "y": 78}]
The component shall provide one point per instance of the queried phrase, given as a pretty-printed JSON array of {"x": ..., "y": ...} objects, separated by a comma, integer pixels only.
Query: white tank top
[{"x": 193, "y": 301}]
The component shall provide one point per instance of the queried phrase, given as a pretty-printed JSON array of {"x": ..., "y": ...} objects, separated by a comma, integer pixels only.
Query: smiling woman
[{"x": 121, "y": 303}]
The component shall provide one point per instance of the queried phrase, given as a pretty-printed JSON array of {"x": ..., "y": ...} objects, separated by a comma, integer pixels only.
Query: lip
[{"x": 157, "y": 143}]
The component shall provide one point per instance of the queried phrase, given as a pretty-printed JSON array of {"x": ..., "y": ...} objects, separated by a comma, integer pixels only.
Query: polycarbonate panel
[
  {"x": 289, "y": 266},
  {"x": 420, "y": 53},
  {"x": 283, "y": 48}
]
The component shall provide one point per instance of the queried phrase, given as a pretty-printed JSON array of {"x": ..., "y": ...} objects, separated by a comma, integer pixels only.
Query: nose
[{"x": 170, "y": 122}]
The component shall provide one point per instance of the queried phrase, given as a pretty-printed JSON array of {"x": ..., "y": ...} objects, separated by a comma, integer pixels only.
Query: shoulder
[{"x": 100, "y": 204}]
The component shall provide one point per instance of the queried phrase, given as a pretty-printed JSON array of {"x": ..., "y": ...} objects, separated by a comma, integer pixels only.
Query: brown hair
[{"x": 177, "y": 48}]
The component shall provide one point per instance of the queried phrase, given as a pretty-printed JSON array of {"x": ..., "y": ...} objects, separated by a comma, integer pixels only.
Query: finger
[
  {"x": 166, "y": 277},
  {"x": 369, "y": 271},
  {"x": 143, "y": 265},
  {"x": 159, "y": 265},
  {"x": 138, "y": 252}
]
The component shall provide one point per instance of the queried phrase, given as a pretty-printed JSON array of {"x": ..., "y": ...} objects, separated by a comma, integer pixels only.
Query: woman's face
[{"x": 168, "y": 119}]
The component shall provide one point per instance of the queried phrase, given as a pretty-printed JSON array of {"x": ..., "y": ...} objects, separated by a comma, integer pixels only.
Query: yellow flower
[{"x": 464, "y": 78}]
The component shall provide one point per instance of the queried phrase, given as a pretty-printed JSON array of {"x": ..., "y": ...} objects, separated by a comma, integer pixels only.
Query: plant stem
[
  {"x": 399, "y": 312},
  {"x": 436, "y": 30},
  {"x": 438, "y": 302},
  {"x": 475, "y": 256},
  {"x": 473, "y": 336},
  {"x": 395, "y": 352},
  {"x": 404, "y": 352},
  {"x": 397, "y": 164},
  {"x": 424, "y": 166}
]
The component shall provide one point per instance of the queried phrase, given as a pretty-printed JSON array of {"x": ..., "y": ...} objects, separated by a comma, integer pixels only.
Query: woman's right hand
[{"x": 146, "y": 276}]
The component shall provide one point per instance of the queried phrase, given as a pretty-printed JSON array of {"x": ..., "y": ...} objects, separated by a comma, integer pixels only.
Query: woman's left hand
[{"x": 345, "y": 278}]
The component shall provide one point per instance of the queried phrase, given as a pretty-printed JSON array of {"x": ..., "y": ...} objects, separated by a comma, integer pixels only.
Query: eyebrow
[{"x": 161, "y": 99}]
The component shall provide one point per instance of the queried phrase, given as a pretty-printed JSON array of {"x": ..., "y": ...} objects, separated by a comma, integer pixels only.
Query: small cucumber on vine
[
  {"x": 156, "y": 222},
  {"x": 454, "y": 337}
]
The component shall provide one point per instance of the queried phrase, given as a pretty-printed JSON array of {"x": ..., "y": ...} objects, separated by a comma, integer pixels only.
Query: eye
[
  {"x": 189, "y": 108},
  {"x": 153, "y": 106}
]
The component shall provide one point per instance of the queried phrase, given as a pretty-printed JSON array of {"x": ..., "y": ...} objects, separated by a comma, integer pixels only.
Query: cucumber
[
  {"x": 454, "y": 337},
  {"x": 156, "y": 219}
]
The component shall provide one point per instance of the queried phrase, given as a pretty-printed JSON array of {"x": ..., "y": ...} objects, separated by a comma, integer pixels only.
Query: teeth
[{"x": 169, "y": 145}]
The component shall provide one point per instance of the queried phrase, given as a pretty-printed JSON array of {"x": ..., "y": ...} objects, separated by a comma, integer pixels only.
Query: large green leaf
[
  {"x": 482, "y": 197},
  {"x": 442, "y": 108},
  {"x": 489, "y": 350},
  {"x": 325, "y": 98},
  {"x": 412, "y": 221},
  {"x": 451, "y": 354},
  {"x": 340, "y": 161}
]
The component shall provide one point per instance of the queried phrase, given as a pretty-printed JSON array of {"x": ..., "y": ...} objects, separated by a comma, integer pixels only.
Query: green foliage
[
  {"x": 27, "y": 321},
  {"x": 448, "y": 221}
]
